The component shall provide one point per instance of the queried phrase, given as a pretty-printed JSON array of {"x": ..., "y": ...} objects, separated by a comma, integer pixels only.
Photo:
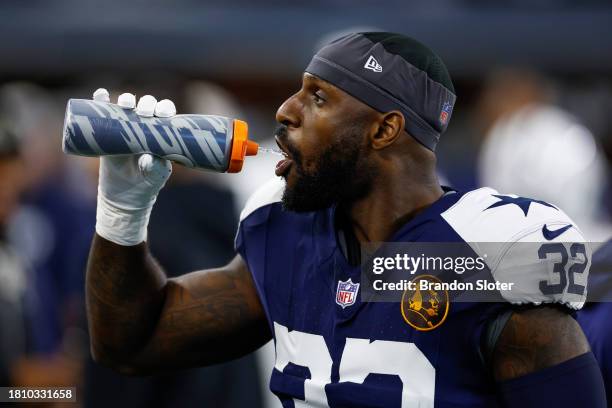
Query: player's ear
[{"x": 390, "y": 127}]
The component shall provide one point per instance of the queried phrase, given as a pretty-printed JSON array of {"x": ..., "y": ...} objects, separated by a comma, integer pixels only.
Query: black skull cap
[{"x": 390, "y": 71}]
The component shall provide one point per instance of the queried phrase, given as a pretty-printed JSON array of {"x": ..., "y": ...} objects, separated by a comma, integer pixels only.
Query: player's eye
[{"x": 318, "y": 97}]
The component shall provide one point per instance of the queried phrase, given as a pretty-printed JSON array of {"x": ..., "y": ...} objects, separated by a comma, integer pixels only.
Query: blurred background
[{"x": 533, "y": 117}]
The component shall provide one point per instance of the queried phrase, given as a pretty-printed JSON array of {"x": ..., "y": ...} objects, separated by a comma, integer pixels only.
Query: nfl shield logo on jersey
[{"x": 346, "y": 294}]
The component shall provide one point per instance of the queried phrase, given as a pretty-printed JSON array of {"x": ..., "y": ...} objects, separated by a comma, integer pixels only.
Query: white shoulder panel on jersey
[
  {"x": 479, "y": 217},
  {"x": 270, "y": 192},
  {"x": 529, "y": 243}
]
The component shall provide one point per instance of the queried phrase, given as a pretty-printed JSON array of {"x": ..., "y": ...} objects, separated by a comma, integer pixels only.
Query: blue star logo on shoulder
[
  {"x": 521, "y": 202},
  {"x": 346, "y": 293}
]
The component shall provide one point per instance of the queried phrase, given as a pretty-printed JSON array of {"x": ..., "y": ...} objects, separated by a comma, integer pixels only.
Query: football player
[{"x": 359, "y": 139}]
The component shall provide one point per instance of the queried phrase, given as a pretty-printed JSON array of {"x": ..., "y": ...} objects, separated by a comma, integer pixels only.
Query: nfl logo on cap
[
  {"x": 346, "y": 294},
  {"x": 446, "y": 110}
]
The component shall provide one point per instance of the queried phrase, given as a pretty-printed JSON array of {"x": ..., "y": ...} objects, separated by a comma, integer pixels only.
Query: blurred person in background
[
  {"x": 534, "y": 148},
  {"x": 12, "y": 272},
  {"x": 51, "y": 232},
  {"x": 207, "y": 239}
]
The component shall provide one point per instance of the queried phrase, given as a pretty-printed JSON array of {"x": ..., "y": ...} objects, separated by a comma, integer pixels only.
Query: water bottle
[{"x": 211, "y": 142}]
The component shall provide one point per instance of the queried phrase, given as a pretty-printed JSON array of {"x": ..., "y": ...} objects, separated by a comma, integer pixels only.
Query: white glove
[{"x": 128, "y": 185}]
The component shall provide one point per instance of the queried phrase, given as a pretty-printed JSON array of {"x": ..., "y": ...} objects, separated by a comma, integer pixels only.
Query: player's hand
[{"x": 128, "y": 185}]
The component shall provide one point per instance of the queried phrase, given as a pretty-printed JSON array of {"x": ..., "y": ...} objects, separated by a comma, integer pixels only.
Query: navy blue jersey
[
  {"x": 594, "y": 318},
  {"x": 338, "y": 351}
]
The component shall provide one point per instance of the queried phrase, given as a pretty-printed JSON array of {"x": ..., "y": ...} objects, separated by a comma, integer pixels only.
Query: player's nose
[{"x": 289, "y": 112}]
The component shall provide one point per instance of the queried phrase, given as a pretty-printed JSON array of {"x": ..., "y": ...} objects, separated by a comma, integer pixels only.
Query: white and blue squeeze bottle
[{"x": 217, "y": 143}]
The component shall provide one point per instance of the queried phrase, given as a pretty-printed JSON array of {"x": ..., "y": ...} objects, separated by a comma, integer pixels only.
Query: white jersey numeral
[
  {"x": 306, "y": 350},
  {"x": 360, "y": 358}
]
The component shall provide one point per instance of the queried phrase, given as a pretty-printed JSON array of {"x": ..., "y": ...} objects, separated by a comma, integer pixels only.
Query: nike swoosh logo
[{"x": 550, "y": 235}]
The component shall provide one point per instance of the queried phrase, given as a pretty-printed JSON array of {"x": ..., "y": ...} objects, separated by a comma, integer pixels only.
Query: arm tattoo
[
  {"x": 141, "y": 322},
  {"x": 535, "y": 338}
]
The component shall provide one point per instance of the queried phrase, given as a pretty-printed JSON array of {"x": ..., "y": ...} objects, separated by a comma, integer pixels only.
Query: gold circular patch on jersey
[{"x": 425, "y": 309}]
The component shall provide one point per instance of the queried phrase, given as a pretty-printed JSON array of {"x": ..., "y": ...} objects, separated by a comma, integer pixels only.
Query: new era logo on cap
[{"x": 373, "y": 65}]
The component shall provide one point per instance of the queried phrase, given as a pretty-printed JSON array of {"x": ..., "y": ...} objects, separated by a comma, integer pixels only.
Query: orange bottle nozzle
[
  {"x": 252, "y": 148},
  {"x": 241, "y": 146}
]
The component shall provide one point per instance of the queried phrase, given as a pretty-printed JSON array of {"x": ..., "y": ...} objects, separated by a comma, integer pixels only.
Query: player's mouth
[{"x": 284, "y": 165}]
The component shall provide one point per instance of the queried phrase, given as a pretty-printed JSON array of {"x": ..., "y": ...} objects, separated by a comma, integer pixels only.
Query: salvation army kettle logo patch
[{"x": 425, "y": 308}]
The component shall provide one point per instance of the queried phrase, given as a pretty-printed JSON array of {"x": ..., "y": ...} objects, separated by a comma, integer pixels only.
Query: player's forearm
[{"x": 125, "y": 293}]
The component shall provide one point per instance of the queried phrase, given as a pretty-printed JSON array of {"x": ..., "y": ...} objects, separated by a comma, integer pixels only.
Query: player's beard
[{"x": 342, "y": 174}]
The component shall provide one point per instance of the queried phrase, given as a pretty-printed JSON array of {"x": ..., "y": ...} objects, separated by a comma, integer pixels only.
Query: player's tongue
[{"x": 282, "y": 167}]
